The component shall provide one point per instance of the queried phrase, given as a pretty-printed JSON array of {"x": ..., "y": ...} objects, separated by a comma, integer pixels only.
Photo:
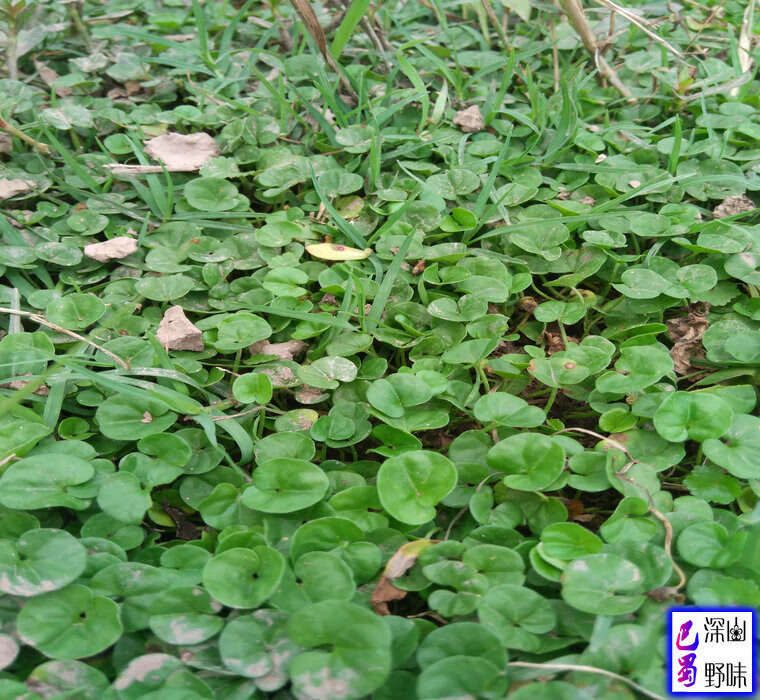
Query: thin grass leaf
[
  {"x": 381, "y": 298},
  {"x": 240, "y": 436},
  {"x": 419, "y": 86},
  {"x": 54, "y": 399},
  {"x": 342, "y": 224},
  {"x": 345, "y": 31}
]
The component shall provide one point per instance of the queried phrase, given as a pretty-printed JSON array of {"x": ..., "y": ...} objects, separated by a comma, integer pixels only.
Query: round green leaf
[
  {"x": 328, "y": 372},
  {"x": 393, "y": 394},
  {"x": 532, "y": 461},
  {"x": 185, "y": 616},
  {"x": 696, "y": 416},
  {"x": 736, "y": 451},
  {"x": 516, "y": 615},
  {"x": 411, "y": 484},
  {"x": 357, "y": 658},
  {"x": 702, "y": 544},
  {"x": 507, "y": 409},
  {"x": 461, "y": 677},
  {"x": 75, "y": 311},
  {"x": 125, "y": 417},
  {"x": 239, "y": 331},
  {"x": 164, "y": 288},
  {"x": 243, "y": 578},
  {"x": 71, "y": 623},
  {"x": 284, "y": 485},
  {"x": 41, "y": 561},
  {"x": 603, "y": 584},
  {"x": 69, "y": 679},
  {"x": 44, "y": 481},
  {"x": 169, "y": 447},
  {"x": 252, "y": 388},
  {"x": 569, "y": 541},
  {"x": 257, "y": 646},
  {"x": 211, "y": 194},
  {"x": 123, "y": 498},
  {"x": 459, "y": 638},
  {"x": 316, "y": 576}
]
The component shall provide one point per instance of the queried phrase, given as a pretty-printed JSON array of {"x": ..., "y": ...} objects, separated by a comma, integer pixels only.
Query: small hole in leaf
[{"x": 82, "y": 615}]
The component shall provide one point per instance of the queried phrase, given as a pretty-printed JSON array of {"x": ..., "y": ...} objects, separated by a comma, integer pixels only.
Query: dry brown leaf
[
  {"x": 385, "y": 592},
  {"x": 285, "y": 351},
  {"x": 686, "y": 332},
  {"x": 735, "y": 204},
  {"x": 309, "y": 18},
  {"x": 470, "y": 119},
  {"x": 403, "y": 560},
  {"x": 113, "y": 249},
  {"x": 49, "y": 76},
  {"x": 11, "y": 188},
  {"x": 17, "y": 384},
  {"x": 175, "y": 332},
  {"x": 180, "y": 37},
  {"x": 6, "y": 143},
  {"x": 178, "y": 153},
  {"x": 182, "y": 151}
]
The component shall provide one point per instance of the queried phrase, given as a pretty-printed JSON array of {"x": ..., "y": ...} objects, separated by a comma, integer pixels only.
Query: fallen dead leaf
[
  {"x": 6, "y": 143},
  {"x": 403, "y": 560},
  {"x": 49, "y": 76},
  {"x": 588, "y": 200},
  {"x": 11, "y": 188},
  {"x": 735, "y": 204},
  {"x": 113, "y": 249},
  {"x": 185, "y": 151},
  {"x": 180, "y": 37},
  {"x": 16, "y": 384},
  {"x": 686, "y": 332},
  {"x": 285, "y": 351},
  {"x": 469, "y": 120},
  {"x": 176, "y": 332},
  {"x": 177, "y": 152}
]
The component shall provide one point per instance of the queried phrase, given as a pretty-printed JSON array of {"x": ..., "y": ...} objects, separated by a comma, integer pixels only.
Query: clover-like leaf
[
  {"x": 75, "y": 311},
  {"x": 410, "y": 485},
  {"x": 252, "y": 388},
  {"x": 328, "y": 372},
  {"x": 507, "y": 409},
  {"x": 243, "y": 578},
  {"x": 284, "y": 485},
  {"x": 258, "y": 646},
  {"x": 45, "y": 481},
  {"x": 357, "y": 659},
  {"x": 71, "y": 623},
  {"x": 602, "y": 584},
  {"x": 396, "y": 392},
  {"x": 532, "y": 461},
  {"x": 696, "y": 416},
  {"x": 41, "y": 561},
  {"x": 185, "y": 615},
  {"x": 736, "y": 451},
  {"x": 125, "y": 417}
]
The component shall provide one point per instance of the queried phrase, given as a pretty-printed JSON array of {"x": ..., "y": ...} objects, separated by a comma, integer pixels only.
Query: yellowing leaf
[{"x": 333, "y": 251}]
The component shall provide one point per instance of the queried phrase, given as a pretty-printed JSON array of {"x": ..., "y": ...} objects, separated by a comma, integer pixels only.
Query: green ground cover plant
[{"x": 394, "y": 350}]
